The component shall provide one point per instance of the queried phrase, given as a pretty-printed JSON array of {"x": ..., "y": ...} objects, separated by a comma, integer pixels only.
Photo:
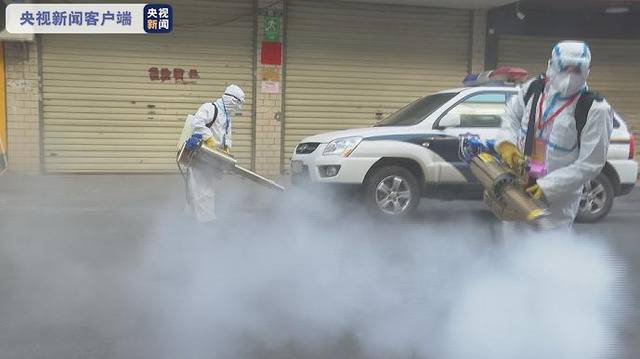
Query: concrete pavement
[{"x": 108, "y": 267}]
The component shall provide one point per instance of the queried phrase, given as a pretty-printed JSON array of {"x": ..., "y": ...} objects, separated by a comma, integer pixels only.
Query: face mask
[
  {"x": 232, "y": 104},
  {"x": 567, "y": 84},
  {"x": 229, "y": 103}
]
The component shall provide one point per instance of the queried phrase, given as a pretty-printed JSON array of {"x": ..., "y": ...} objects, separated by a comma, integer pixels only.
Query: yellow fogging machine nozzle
[{"x": 536, "y": 214}]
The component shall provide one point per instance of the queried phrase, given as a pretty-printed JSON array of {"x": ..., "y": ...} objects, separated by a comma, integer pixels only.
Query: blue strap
[
  {"x": 585, "y": 49},
  {"x": 556, "y": 51},
  {"x": 554, "y": 100},
  {"x": 560, "y": 148},
  {"x": 226, "y": 125}
]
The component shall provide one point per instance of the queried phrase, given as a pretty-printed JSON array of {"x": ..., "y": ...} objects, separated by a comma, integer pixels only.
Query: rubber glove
[
  {"x": 535, "y": 192},
  {"x": 475, "y": 145},
  {"x": 193, "y": 142},
  {"x": 510, "y": 154},
  {"x": 210, "y": 143}
]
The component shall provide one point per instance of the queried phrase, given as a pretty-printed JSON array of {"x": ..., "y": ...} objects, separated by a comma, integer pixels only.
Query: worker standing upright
[{"x": 560, "y": 130}]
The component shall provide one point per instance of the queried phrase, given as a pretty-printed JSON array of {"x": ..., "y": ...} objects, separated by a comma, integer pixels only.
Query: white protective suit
[
  {"x": 569, "y": 164},
  {"x": 220, "y": 129},
  {"x": 201, "y": 179}
]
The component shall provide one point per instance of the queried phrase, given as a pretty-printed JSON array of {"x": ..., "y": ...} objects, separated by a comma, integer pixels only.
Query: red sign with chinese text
[
  {"x": 271, "y": 53},
  {"x": 165, "y": 74}
]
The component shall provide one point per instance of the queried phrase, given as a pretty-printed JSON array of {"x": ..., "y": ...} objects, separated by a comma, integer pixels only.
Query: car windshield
[{"x": 417, "y": 111}]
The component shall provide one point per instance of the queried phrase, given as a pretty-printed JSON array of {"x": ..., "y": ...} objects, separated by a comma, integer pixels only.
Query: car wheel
[
  {"x": 596, "y": 200},
  {"x": 392, "y": 192}
]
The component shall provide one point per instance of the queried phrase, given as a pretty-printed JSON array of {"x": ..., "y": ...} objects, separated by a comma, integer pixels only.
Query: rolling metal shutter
[
  {"x": 103, "y": 113},
  {"x": 347, "y": 61},
  {"x": 614, "y": 71}
]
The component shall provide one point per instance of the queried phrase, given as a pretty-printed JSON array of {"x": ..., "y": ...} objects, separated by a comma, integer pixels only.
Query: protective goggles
[
  {"x": 234, "y": 97},
  {"x": 571, "y": 65}
]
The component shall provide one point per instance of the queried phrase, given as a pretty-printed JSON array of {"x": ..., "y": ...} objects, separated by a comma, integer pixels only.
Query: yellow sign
[{"x": 270, "y": 74}]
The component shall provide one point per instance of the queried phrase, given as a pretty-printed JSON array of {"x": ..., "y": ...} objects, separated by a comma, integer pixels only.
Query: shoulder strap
[
  {"x": 535, "y": 89},
  {"x": 215, "y": 115},
  {"x": 582, "y": 110},
  {"x": 536, "y": 85}
]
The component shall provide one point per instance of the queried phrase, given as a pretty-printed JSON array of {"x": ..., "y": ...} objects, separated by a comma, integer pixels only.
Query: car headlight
[{"x": 342, "y": 146}]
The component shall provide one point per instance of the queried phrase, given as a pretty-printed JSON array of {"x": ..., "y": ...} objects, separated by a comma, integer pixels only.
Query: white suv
[{"x": 413, "y": 153}]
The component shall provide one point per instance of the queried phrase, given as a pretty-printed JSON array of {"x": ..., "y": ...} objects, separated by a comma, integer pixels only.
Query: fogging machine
[
  {"x": 222, "y": 162},
  {"x": 504, "y": 189}
]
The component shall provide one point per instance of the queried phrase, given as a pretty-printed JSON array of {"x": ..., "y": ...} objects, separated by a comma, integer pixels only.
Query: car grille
[
  {"x": 301, "y": 178},
  {"x": 306, "y": 148}
]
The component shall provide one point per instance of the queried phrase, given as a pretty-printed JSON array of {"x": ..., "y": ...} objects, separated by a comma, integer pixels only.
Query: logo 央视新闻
[{"x": 158, "y": 18}]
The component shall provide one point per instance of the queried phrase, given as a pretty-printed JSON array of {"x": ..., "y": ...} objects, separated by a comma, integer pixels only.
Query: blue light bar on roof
[
  {"x": 500, "y": 76},
  {"x": 476, "y": 79}
]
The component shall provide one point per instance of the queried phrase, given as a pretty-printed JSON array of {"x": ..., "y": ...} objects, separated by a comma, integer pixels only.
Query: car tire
[
  {"x": 596, "y": 201},
  {"x": 392, "y": 192}
]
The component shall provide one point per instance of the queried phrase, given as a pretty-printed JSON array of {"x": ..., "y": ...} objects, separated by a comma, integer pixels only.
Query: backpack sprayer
[{"x": 504, "y": 192}]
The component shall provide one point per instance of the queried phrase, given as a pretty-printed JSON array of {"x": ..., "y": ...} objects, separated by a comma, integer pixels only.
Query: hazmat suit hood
[
  {"x": 569, "y": 68},
  {"x": 233, "y": 98}
]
